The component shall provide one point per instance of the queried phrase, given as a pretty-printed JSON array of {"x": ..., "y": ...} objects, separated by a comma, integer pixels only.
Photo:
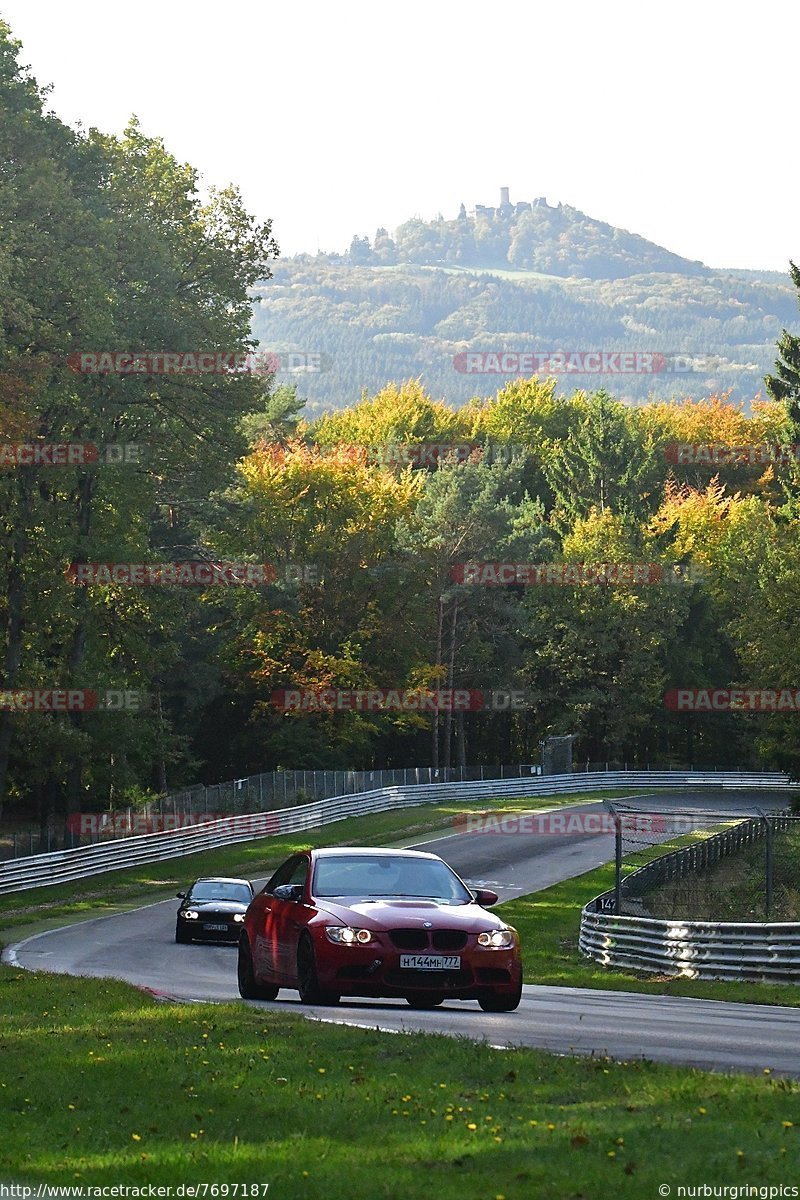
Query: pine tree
[{"x": 784, "y": 386}]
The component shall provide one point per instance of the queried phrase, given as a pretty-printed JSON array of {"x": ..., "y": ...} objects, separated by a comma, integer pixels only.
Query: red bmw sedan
[{"x": 375, "y": 923}]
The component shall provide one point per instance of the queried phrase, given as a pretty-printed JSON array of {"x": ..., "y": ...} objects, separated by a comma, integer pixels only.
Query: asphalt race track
[{"x": 139, "y": 947}]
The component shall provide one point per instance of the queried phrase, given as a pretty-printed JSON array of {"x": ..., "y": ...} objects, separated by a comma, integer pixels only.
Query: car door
[
  {"x": 289, "y": 917},
  {"x": 276, "y": 941}
]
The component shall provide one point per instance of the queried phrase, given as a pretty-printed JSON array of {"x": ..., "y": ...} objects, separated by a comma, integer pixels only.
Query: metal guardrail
[
  {"x": 63, "y": 866},
  {"x": 249, "y": 794},
  {"x": 695, "y": 949},
  {"x": 749, "y": 950}
]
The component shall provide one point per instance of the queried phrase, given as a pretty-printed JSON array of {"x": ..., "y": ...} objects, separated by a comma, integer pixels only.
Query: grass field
[{"x": 102, "y": 1085}]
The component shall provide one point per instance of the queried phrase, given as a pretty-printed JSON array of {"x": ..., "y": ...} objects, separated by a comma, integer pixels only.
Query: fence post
[
  {"x": 617, "y": 858},
  {"x": 770, "y": 864}
]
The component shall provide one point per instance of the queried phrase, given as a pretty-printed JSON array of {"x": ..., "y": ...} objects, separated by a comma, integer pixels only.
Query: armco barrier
[
  {"x": 695, "y": 949},
  {"x": 64, "y": 865},
  {"x": 753, "y": 950}
]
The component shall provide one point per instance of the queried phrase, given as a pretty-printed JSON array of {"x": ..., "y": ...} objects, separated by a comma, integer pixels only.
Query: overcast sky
[{"x": 676, "y": 121}]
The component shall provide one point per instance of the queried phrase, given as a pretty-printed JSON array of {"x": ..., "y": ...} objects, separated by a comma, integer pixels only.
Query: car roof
[
  {"x": 220, "y": 879},
  {"x": 372, "y": 851}
]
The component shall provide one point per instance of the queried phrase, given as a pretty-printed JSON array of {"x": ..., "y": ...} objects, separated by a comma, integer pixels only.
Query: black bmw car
[{"x": 213, "y": 910}]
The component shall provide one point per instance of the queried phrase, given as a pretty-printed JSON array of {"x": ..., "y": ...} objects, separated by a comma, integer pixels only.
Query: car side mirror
[
  {"x": 180, "y": 895},
  {"x": 289, "y": 891},
  {"x": 485, "y": 897}
]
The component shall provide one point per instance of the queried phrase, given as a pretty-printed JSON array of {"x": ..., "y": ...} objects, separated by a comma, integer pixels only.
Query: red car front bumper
[{"x": 377, "y": 970}]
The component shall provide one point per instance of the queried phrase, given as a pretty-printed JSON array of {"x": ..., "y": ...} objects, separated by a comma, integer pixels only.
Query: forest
[
  {"x": 339, "y": 325},
  {"x": 191, "y": 539}
]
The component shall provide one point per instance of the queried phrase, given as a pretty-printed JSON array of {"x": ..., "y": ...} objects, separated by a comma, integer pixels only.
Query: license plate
[
  {"x": 431, "y": 962},
  {"x": 220, "y": 928}
]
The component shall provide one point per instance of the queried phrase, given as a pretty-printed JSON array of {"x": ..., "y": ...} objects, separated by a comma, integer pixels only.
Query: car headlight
[
  {"x": 345, "y": 935},
  {"x": 238, "y": 916},
  {"x": 497, "y": 939},
  {"x": 190, "y": 914}
]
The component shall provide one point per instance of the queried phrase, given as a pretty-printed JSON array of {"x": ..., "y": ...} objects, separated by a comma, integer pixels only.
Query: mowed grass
[
  {"x": 549, "y": 926},
  {"x": 116, "y": 890},
  {"x": 102, "y": 1085}
]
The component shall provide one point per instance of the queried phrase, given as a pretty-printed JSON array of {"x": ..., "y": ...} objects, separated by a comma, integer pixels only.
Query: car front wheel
[
  {"x": 307, "y": 981},
  {"x": 498, "y": 1002},
  {"x": 249, "y": 989},
  {"x": 182, "y": 935},
  {"x": 425, "y": 999}
]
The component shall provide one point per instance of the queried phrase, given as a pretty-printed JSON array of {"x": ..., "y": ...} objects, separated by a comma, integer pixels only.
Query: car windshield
[
  {"x": 208, "y": 890},
  {"x": 385, "y": 877}
]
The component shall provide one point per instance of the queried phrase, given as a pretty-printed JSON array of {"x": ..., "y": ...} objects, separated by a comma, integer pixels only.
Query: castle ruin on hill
[{"x": 506, "y": 208}]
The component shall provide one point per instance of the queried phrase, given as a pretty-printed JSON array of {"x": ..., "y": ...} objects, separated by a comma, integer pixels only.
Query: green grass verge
[
  {"x": 102, "y": 1085},
  {"x": 549, "y": 924},
  {"x": 113, "y": 891}
]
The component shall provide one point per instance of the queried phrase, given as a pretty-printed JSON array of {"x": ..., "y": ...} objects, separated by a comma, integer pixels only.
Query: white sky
[{"x": 676, "y": 121}]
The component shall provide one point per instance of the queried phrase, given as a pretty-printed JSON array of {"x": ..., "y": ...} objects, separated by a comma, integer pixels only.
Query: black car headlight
[
  {"x": 497, "y": 939},
  {"x": 238, "y": 916},
  {"x": 346, "y": 935},
  {"x": 190, "y": 915}
]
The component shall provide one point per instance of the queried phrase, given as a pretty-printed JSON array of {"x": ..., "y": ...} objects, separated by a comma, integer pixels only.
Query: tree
[
  {"x": 784, "y": 385},
  {"x": 603, "y": 462},
  {"x": 109, "y": 248}
]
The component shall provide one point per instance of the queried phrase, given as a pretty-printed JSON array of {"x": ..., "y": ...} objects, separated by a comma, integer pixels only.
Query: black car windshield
[
  {"x": 384, "y": 876},
  {"x": 208, "y": 890}
]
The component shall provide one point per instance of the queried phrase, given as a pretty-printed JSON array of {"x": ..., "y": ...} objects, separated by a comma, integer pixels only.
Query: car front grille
[
  {"x": 423, "y": 939},
  {"x": 448, "y": 939},
  {"x": 409, "y": 939}
]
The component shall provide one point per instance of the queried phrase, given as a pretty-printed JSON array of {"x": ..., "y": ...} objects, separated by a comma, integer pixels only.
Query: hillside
[{"x": 520, "y": 279}]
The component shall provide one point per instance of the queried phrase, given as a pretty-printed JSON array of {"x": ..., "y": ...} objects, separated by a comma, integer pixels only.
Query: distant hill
[{"x": 519, "y": 278}]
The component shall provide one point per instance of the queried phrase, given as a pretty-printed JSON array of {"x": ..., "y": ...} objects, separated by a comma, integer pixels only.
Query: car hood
[
  {"x": 218, "y": 906},
  {"x": 409, "y": 914}
]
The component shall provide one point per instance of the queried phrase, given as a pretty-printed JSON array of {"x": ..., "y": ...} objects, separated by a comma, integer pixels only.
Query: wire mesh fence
[
  {"x": 706, "y": 864},
  {"x": 265, "y": 792}
]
